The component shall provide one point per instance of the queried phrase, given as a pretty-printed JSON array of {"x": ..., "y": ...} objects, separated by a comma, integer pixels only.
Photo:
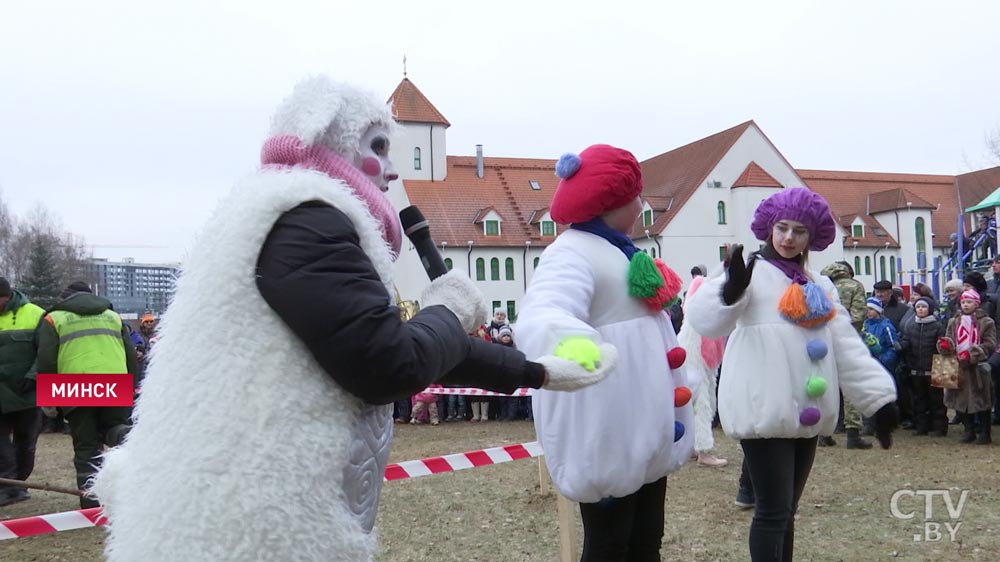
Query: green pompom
[
  {"x": 815, "y": 387},
  {"x": 643, "y": 277},
  {"x": 579, "y": 350}
]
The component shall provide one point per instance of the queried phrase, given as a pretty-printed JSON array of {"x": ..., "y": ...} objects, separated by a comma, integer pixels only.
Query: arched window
[
  {"x": 857, "y": 265},
  {"x": 508, "y": 266},
  {"x": 494, "y": 269},
  {"x": 881, "y": 267},
  {"x": 892, "y": 270},
  {"x": 480, "y": 269},
  {"x": 535, "y": 263},
  {"x": 416, "y": 158},
  {"x": 653, "y": 252},
  {"x": 721, "y": 207},
  {"x": 918, "y": 227},
  {"x": 868, "y": 265},
  {"x": 448, "y": 264}
]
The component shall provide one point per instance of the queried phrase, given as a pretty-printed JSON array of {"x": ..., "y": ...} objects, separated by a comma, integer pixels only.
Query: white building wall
[
  {"x": 430, "y": 139},
  {"x": 694, "y": 235}
]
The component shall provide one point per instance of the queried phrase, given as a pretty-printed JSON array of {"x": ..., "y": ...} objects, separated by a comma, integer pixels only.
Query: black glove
[
  {"x": 737, "y": 276},
  {"x": 25, "y": 385},
  {"x": 886, "y": 420}
]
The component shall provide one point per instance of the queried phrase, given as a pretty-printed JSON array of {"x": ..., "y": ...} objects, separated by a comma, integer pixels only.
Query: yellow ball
[{"x": 579, "y": 350}]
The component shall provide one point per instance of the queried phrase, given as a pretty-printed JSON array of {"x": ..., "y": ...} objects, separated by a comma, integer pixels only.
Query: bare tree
[
  {"x": 993, "y": 145},
  {"x": 36, "y": 252}
]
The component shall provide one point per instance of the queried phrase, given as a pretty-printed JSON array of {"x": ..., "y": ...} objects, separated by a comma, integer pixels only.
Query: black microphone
[{"x": 419, "y": 232}]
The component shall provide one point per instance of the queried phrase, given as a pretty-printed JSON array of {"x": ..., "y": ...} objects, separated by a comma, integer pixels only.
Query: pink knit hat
[
  {"x": 602, "y": 178},
  {"x": 970, "y": 295}
]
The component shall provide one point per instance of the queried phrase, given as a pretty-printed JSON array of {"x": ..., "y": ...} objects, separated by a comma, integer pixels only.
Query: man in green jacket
[
  {"x": 20, "y": 418},
  {"x": 81, "y": 334}
]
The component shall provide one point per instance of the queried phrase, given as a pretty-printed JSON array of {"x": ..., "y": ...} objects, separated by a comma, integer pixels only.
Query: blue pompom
[
  {"x": 567, "y": 165},
  {"x": 817, "y": 349},
  {"x": 678, "y": 431}
]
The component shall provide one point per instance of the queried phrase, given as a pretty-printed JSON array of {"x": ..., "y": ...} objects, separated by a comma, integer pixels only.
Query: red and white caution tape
[
  {"x": 66, "y": 521},
  {"x": 69, "y": 520},
  {"x": 475, "y": 391},
  {"x": 461, "y": 461}
]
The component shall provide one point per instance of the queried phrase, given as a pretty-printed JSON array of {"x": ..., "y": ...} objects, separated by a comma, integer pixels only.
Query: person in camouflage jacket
[{"x": 851, "y": 291}]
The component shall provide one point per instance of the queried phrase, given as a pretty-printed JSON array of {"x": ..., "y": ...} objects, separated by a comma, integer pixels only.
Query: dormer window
[
  {"x": 548, "y": 228},
  {"x": 857, "y": 231},
  {"x": 647, "y": 217},
  {"x": 491, "y": 220}
]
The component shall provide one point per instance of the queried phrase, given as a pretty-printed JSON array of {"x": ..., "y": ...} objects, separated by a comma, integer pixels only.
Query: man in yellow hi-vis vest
[
  {"x": 20, "y": 418},
  {"x": 81, "y": 334}
]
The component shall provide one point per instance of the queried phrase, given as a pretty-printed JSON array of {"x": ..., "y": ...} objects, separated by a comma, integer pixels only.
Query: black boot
[
  {"x": 854, "y": 440},
  {"x": 969, "y": 435},
  {"x": 826, "y": 441},
  {"x": 985, "y": 429}
]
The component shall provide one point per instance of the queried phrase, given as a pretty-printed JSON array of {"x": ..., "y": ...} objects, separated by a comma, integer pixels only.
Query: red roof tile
[
  {"x": 675, "y": 175},
  {"x": 874, "y": 234},
  {"x": 755, "y": 176},
  {"x": 848, "y": 194},
  {"x": 451, "y": 206},
  {"x": 894, "y": 199},
  {"x": 410, "y": 105},
  {"x": 973, "y": 187}
]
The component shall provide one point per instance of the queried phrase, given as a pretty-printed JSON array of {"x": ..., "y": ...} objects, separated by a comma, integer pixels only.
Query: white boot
[{"x": 475, "y": 411}]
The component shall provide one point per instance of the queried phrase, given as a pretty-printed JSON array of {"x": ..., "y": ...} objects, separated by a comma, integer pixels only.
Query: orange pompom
[
  {"x": 793, "y": 302},
  {"x": 676, "y": 357},
  {"x": 682, "y": 395}
]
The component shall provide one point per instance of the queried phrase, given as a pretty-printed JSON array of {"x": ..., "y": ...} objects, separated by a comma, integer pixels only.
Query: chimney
[{"x": 479, "y": 161}]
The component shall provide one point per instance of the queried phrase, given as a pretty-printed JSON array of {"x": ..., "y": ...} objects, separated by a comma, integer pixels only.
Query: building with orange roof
[{"x": 489, "y": 215}]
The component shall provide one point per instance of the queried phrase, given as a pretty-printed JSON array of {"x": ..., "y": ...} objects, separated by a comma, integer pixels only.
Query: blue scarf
[{"x": 598, "y": 227}]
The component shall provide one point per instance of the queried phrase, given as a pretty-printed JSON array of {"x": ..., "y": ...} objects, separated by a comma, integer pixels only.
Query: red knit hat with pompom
[{"x": 602, "y": 178}]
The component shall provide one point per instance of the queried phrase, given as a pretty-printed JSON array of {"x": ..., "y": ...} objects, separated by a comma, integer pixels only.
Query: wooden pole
[
  {"x": 47, "y": 487},
  {"x": 543, "y": 477},
  {"x": 567, "y": 529}
]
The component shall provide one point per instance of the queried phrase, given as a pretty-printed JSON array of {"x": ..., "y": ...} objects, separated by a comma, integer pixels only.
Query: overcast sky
[{"x": 129, "y": 120}]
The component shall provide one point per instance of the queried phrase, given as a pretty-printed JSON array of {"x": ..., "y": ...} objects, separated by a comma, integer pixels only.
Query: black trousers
[
  {"x": 18, "y": 436},
  {"x": 778, "y": 469},
  {"x": 929, "y": 412},
  {"x": 628, "y": 529},
  {"x": 91, "y": 429},
  {"x": 904, "y": 394}
]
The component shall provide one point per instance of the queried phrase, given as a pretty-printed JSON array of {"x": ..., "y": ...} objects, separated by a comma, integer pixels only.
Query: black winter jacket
[
  {"x": 919, "y": 342},
  {"x": 313, "y": 272}
]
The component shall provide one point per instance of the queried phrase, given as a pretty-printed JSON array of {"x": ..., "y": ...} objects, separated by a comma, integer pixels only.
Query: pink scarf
[
  {"x": 289, "y": 151},
  {"x": 966, "y": 333}
]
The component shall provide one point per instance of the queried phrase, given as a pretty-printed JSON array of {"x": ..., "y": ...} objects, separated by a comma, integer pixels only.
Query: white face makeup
[
  {"x": 372, "y": 157},
  {"x": 790, "y": 238}
]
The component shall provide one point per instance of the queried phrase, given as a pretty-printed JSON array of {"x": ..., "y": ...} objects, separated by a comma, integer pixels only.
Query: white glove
[
  {"x": 459, "y": 294},
  {"x": 563, "y": 374}
]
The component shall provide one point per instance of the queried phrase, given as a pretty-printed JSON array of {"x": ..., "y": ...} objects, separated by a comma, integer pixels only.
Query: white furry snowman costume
[{"x": 264, "y": 423}]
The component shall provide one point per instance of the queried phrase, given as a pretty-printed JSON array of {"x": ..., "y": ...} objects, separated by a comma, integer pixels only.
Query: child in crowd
[
  {"x": 791, "y": 345},
  {"x": 918, "y": 345},
  {"x": 972, "y": 336},
  {"x": 425, "y": 401},
  {"x": 509, "y": 405},
  {"x": 884, "y": 332}
]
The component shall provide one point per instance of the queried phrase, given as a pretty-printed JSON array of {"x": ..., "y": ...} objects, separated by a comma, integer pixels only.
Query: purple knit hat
[{"x": 797, "y": 204}]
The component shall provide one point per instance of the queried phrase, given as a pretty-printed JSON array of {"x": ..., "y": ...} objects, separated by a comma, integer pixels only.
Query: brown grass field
[{"x": 496, "y": 513}]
